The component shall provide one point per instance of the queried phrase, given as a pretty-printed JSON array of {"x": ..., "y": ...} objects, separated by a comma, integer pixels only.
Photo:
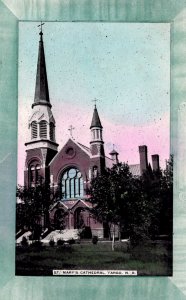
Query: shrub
[
  {"x": 122, "y": 246},
  {"x": 37, "y": 244},
  {"x": 24, "y": 242},
  {"x": 71, "y": 241},
  {"x": 60, "y": 242},
  {"x": 138, "y": 236},
  {"x": 86, "y": 233},
  {"x": 94, "y": 239},
  {"x": 52, "y": 242},
  {"x": 37, "y": 232}
]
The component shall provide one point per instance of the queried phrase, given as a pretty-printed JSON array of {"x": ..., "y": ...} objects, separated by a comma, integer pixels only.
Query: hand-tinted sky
[{"x": 124, "y": 65}]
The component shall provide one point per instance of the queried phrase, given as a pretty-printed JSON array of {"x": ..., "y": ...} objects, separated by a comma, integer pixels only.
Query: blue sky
[{"x": 124, "y": 65}]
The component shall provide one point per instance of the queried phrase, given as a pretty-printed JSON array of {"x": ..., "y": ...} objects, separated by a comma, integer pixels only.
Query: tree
[
  {"x": 32, "y": 211},
  {"x": 134, "y": 204},
  {"x": 116, "y": 198},
  {"x": 166, "y": 217}
]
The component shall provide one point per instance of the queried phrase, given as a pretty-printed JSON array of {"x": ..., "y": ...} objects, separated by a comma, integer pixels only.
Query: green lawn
[{"x": 149, "y": 259}]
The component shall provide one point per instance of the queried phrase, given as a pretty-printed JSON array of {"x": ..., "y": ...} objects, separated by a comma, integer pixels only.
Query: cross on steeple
[
  {"x": 41, "y": 32},
  {"x": 41, "y": 25},
  {"x": 95, "y": 100},
  {"x": 71, "y": 128},
  {"x": 113, "y": 147}
]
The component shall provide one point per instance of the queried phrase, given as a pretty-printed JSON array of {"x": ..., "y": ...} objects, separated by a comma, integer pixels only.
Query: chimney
[
  {"x": 155, "y": 162},
  {"x": 143, "y": 159}
]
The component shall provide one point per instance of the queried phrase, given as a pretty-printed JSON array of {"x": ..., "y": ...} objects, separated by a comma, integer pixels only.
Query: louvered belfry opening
[
  {"x": 34, "y": 130},
  {"x": 43, "y": 129},
  {"x": 52, "y": 131}
]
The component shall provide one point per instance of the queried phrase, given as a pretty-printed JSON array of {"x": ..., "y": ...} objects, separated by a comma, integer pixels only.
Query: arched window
[
  {"x": 52, "y": 131},
  {"x": 37, "y": 176},
  {"x": 34, "y": 130},
  {"x": 95, "y": 171},
  {"x": 94, "y": 134},
  {"x": 43, "y": 129},
  {"x": 97, "y": 133},
  {"x": 72, "y": 184},
  {"x": 34, "y": 173}
]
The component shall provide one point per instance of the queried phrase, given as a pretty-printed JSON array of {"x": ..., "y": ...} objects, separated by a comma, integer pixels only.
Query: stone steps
[
  {"x": 65, "y": 235},
  {"x": 26, "y": 234}
]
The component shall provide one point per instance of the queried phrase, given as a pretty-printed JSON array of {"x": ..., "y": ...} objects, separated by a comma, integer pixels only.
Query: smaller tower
[
  {"x": 97, "y": 145},
  {"x": 114, "y": 156},
  {"x": 96, "y": 128}
]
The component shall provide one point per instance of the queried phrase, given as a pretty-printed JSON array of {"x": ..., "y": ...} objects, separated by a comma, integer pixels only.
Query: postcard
[
  {"x": 129, "y": 79},
  {"x": 95, "y": 172}
]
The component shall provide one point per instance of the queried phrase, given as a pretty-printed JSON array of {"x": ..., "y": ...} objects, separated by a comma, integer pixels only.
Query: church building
[{"x": 71, "y": 168}]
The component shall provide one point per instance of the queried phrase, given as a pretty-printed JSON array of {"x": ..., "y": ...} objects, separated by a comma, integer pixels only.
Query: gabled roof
[
  {"x": 70, "y": 204},
  {"x": 58, "y": 203},
  {"x": 95, "y": 119},
  {"x": 83, "y": 147}
]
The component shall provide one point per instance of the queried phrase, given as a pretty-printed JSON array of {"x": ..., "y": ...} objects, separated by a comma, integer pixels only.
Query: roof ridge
[{"x": 83, "y": 146}]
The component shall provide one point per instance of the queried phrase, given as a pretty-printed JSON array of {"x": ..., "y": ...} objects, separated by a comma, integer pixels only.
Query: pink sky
[{"x": 125, "y": 137}]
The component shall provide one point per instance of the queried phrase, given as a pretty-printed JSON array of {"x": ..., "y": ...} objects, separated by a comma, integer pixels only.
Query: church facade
[{"x": 70, "y": 169}]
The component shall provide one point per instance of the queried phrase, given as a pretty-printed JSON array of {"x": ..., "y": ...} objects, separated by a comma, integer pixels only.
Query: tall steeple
[
  {"x": 41, "y": 146},
  {"x": 41, "y": 87},
  {"x": 42, "y": 122}
]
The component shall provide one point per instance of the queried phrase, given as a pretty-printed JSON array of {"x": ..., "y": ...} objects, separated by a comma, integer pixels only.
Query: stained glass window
[{"x": 72, "y": 184}]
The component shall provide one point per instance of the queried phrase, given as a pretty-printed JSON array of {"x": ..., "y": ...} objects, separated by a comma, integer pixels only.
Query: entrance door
[
  {"x": 60, "y": 219},
  {"x": 78, "y": 218}
]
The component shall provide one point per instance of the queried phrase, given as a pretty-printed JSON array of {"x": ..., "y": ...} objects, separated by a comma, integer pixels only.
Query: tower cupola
[
  {"x": 96, "y": 128},
  {"x": 97, "y": 145},
  {"x": 114, "y": 156}
]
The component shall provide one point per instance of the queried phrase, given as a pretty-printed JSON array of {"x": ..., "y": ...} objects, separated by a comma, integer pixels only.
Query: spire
[
  {"x": 95, "y": 119},
  {"x": 41, "y": 88}
]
